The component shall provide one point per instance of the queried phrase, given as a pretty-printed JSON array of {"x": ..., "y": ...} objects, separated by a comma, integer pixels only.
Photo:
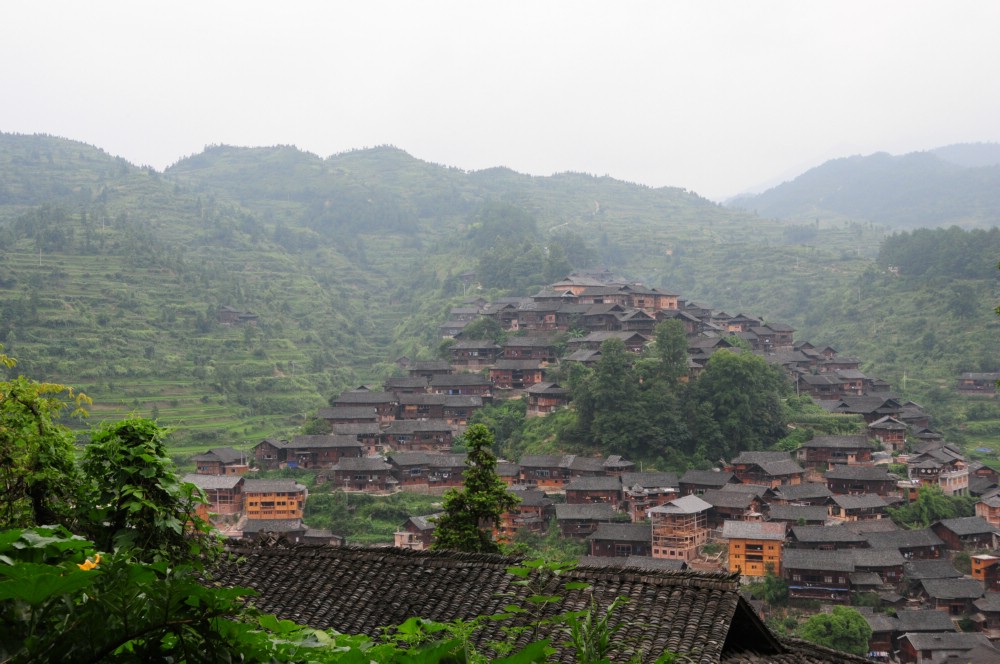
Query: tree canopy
[
  {"x": 842, "y": 629},
  {"x": 473, "y": 511}
]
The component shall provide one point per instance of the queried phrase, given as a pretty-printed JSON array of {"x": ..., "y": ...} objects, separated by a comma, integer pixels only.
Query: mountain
[
  {"x": 957, "y": 184},
  {"x": 113, "y": 277}
]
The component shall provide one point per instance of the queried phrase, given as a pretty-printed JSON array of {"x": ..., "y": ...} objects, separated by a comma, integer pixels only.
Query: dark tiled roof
[
  {"x": 401, "y": 459},
  {"x": 860, "y": 502},
  {"x": 638, "y": 562},
  {"x": 824, "y": 534},
  {"x": 803, "y": 491},
  {"x": 358, "y": 591},
  {"x": 924, "y": 620},
  {"x": 594, "y": 484},
  {"x": 588, "y": 511},
  {"x": 963, "y": 588},
  {"x": 364, "y": 397},
  {"x": 760, "y": 457},
  {"x": 623, "y": 532},
  {"x": 904, "y": 539},
  {"x": 763, "y": 530},
  {"x": 870, "y": 473},
  {"x": 348, "y": 413},
  {"x": 223, "y": 454},
  {"x": 271, "y": 486},
  {"x": 650, "y": 480},
  {"x": 839, "y": 442},
  {"x": 709, "y": 478},
  {"x": 417, "y": 426},
  {"x": 324, "y": 442},
  {"x": 967, "y": 525},
  {"x": 731, "y": 499},
  {"x": 793, "y": 513},
  {"x": 823, "y": 561},
  {"x": 930, "y": 569},
  {"x": 253, "y": 526},
  {"x": 874, "y": 558},
  {"x": 206, "y": 482},
  {"x": 362, "y": 464}
]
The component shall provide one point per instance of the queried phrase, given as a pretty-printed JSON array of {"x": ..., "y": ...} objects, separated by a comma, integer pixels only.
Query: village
[{"x": 817, "y": 517}]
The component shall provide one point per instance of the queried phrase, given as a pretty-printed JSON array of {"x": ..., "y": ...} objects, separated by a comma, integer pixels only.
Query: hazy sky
[{"x": 717, "y": 97}]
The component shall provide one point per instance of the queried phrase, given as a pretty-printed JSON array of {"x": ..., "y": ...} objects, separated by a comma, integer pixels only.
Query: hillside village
[{"x": 816, "y": 517}]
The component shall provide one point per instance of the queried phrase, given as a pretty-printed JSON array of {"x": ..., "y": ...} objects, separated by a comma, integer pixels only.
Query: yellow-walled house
[{"x": 754, "y": 546}]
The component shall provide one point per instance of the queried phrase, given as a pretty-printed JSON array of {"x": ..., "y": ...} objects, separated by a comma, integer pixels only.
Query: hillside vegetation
[{"x": 112, "y": 275}]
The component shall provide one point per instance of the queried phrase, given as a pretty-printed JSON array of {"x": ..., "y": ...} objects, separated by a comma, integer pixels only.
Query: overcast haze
[{"x": 717, "y": 97}]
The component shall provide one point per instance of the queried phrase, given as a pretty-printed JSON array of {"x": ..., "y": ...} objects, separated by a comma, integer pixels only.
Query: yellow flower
[{"x": 89, "y": 564}]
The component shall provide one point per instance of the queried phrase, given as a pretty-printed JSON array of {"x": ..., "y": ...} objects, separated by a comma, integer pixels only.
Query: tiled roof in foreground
[{"x": 358, "y": 591}]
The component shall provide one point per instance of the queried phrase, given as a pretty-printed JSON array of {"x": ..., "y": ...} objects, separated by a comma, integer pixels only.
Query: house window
[{"x": 827, "y": 579}]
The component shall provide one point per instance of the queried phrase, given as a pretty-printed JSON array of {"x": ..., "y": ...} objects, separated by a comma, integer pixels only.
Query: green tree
[
  {"x": 932, "y": 505},
  {"x": 744, "y": 395},
  {"x": 471, "y": 512},
  {"x": 843, "y": 629},
  {"x": 136, "y": 501},
  {"x": 671, "y": 349},
  {"x": 38, "y": 472}
]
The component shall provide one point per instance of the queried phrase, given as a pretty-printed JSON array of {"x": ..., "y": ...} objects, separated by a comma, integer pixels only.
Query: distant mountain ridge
[{"x": 952, "y": 185}]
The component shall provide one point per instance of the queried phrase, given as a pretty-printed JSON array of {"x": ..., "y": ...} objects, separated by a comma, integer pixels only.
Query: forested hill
[
  {"x": 112, "y": 276},
  {"x": 954, "y": 185}
]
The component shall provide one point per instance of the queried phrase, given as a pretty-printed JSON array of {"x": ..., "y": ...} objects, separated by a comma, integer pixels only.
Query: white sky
[{"x": 717, "y": 97}]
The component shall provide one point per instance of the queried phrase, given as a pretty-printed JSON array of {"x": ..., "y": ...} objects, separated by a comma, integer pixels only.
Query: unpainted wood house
[
  {"x": 321, "y": 451},
  {"x": 545, "y": 398},
  {"x": 366, "y": 474},
  {"x": 616, "y": 540},
  {"x": 419, "y": 435},
  {"x": 223, "y": 492},
  {"x": 384, "y": 403},
  {"x": 422, "y": 470},
  {"x": 221, "y": 461},
  {"x": 532, "y": 514},
  {"x": 823, "y": 451},
  {"x": 465, "y": 384},
  {"x": 516, "y": 374},
  {"x": 600, "y": 489},
  {"x": 844, "y": 479},
  {"x": 679, "y": 527},
  {"x": 766, "y": 468},
  {"x": 473, "y": 354},
  {"x": 542, "y": 348}
]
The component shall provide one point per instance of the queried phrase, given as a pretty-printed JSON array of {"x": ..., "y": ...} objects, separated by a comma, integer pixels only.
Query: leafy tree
[
  {"x": 671, "y": 349},
  {"x": 38, "y": 473},
  {"x": 932, "y": 505},
  {"x": 484, "y": 328},
  {"x": 136, "y": 501},
  {"x": 843, "y": 629},
  {"x": 471, "y": 512},
  {"x": 743, "y": 394}
]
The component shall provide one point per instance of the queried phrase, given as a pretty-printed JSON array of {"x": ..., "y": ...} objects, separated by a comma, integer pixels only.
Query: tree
[
  {"x": 136, "y": 500},
  {"x": 671, "y": 349},
  {"x": 743, "y": 393},
  {"x": 471, "y": 512},
  {"x": 932, "y": 505},
  {"x": 38, "y": 473},
  {"x": 843, "y": 629}
]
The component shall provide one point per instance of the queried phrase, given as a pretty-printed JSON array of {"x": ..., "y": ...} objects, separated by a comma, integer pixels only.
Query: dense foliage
[
  {"x": 842, "y": 629},
  {"x": 471, "y": 512}
]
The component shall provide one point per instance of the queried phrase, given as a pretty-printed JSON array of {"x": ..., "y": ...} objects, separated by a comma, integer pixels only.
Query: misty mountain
[{"x": 958, "y": 185}]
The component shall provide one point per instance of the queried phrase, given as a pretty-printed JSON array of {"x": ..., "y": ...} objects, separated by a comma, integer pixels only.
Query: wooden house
[
  {"x": 540, "y": 348},
  {"x": 887, "y": 563},
  {"x": 814, "y": 574},
  {"x": 473, "y": 353},
  {"x": 614, "y": 540},
  {"x": 919, "y": 544},
  {"x": 732, "y": 506},
  {"x": 407, "y": 384},
  {"x": 755, "y": 547},
  {"x": 459, "y": 408},
  {"x": 223, "y": 492},
  {"x": 986, "y": 568},
  {"x": 321, "y": 451},
  {"x": 548, "y": 472},
  {"x": 419, "y": 435},
  {"x": 600, "y": 489},
  {"x": 987, "y": 615},
  {"x": 807, "y": 515},
  {"x": 366, "y": 474},
  {"x": 465, "y": 384},
  {"x": 845, "y": 480},
  {"x": 988, "y": 508},
  {"x": 516, "y": 374},
  {"x": 221, "y": 461},
  {"x": 634, "y": 341},
  {"x": 936, "y": 647},
  {"x": 581, "y": 520},
  {"x": 273, "y": 499},
  {"x": 643, "y": 490},
  {"x": 425, "y": 471},
  {"x": 970, "y": 532},
  {"x": 942, "y": 466},
  {"x": 766, "y": 468},
  {"x": 545, "y": 398},
  {"x": 368, "y": 434},
  {"x": 679, "y": 527},
  {"x": 806, "y": 493},
  {"x": 349, "y": 415},
  {"x": 889, "y": 432},
  {"x": 978, "y": 383},
  {"x": 952, "y": 596},
  {"x": 270, "y": 453},
  {"x": 384, "y": 403},
  {"x": 421, "y": 406},
  {"x": 857, "y": 507},
  {"x": 417, "y": 533},
  {"x": 824, "y": 451},
  {"x": 698, "y": 482},
  {"x": 532, "y": 514},
  {"x": 823, "y": 538}
]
